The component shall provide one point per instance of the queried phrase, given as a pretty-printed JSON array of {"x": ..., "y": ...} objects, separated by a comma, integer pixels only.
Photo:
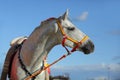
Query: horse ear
[{"x": 65, "y": 15}]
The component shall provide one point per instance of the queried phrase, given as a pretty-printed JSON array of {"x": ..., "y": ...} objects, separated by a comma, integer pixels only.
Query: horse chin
[{"x": 86, "y": 52}]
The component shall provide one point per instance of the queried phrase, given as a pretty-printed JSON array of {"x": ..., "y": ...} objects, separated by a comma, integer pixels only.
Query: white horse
[{"x": 29, "y": 58}]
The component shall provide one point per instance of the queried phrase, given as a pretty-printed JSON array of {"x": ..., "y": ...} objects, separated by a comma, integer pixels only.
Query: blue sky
[{"x": 98, "y": 19}]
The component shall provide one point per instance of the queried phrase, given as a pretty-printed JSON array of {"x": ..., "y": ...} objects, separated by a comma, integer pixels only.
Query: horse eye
[{"x": 71, "y": 28}]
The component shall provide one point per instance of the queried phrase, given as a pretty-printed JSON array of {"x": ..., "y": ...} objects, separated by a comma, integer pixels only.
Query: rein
[{"x": 65, "y": 37}]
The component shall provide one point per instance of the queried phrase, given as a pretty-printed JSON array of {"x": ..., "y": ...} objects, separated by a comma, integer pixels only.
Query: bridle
[{"x": 65, "y": 37}]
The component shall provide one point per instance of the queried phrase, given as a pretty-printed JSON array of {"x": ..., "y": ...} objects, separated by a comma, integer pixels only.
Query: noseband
[{"x": 65, "y": 37}]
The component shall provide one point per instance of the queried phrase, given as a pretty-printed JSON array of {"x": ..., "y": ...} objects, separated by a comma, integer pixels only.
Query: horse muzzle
[{"x": 87, "y": 47}]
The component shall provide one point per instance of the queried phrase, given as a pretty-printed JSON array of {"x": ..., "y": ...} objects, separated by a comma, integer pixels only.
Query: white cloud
[
  {"x": 83, "y": 16},
  {"x": 114, "y": 67},
  {"x": 99, "y": 78},
  {"x": 102, "y": 66}
]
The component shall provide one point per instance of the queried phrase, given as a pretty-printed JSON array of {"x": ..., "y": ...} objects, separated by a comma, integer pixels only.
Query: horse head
[{"x": 73, "y": 35}]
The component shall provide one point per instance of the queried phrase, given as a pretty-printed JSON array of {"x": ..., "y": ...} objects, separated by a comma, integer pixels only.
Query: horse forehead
[{"x": 68, "y": 23}]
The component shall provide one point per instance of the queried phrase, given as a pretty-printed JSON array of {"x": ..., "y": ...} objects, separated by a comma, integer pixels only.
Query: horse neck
[{"x": 37, "y": 46}]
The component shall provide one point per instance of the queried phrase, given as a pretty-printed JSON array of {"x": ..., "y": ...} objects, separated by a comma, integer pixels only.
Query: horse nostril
[
  {"x": 93, "y": 46},
  {"x": 90, "y": 45}
]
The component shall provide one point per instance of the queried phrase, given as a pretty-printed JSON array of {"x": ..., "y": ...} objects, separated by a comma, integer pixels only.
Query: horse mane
[{"x": 48, "y": 20}]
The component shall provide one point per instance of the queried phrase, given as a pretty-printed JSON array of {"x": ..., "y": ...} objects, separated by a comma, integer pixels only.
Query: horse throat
[{"x": 37, "y": 46}]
